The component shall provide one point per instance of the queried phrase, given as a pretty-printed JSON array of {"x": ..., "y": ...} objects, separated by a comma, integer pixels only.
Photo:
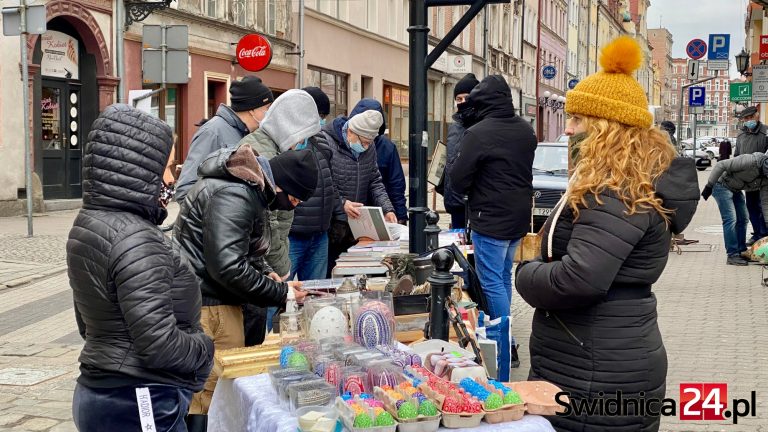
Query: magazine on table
[{"x": 370, "y": 224}]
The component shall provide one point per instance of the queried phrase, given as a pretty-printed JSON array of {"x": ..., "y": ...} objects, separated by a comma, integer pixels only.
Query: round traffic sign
[
  {"x": 572, "y": 83},
  {"x": 549, "y": 72},
  {"x": 696, "y": 49}
]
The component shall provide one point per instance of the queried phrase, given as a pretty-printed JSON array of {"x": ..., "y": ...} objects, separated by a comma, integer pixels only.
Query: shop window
[
  {"x": 164, "y": 106},
  {"x": 396, "y": 100},
  {"x": 333, "y": 84}
]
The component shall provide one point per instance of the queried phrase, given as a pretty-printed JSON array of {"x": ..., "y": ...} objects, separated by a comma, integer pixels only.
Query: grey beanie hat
[{"x": 366, "y": 124}]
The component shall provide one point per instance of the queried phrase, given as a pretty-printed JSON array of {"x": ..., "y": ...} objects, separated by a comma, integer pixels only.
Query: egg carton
[
  {"x": 506, "y": 413},
  {"x": 347, "y": 416},
  {"x": 452, "y": 420},
  {"x": 419, "y": 424}
]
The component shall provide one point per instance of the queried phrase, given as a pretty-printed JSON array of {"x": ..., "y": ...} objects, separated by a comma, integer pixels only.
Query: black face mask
[
  {"x": 468, "y": 114},
  {"x": 281, "y": 202}
]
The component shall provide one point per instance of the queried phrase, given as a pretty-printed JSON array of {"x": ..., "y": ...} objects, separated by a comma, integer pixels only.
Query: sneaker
[{"x": 737, "y": 260}]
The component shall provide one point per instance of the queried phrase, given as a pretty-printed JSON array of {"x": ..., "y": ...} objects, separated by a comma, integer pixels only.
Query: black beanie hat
[
  {"x": 295, "y": 172},
  {"x": 465, "y": 85},
  {"x": 249, "y": 93},
  {"x": 321, "y": 100}
]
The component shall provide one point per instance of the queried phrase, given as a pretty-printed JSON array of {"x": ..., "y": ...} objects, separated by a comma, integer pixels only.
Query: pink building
[{"x": 553, "y": 52}]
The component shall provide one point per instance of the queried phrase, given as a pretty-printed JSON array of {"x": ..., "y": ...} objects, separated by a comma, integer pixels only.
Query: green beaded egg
[
  {"x": 363, "y": 421},
  {"x": 512, "y": 398},
  {"x": 298, "y": 360},
  {"x": 427, "y": 409},
  {"x": 385, "y": 419},
  {"x": 493, "y": 402},
  {"x": 407, "y": 411}
]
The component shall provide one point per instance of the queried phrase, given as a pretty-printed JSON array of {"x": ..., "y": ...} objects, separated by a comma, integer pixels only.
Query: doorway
[{"x": 61, "y": 139}]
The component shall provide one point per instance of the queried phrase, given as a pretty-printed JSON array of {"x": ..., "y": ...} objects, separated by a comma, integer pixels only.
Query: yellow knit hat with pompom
[{"x": 613, "y": 93}]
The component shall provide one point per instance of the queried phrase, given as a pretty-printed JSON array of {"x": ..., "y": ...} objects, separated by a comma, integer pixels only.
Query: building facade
[
  {"x": 715, "y": 119},
  {"x": 71, "y": 77},
  {"x": 553, "y": 53},
  {"x": 661, "y": 41}
]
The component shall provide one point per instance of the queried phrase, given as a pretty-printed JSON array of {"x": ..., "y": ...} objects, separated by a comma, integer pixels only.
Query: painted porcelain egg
[
  {"x": 371, "y": 329},
  {"x": 328, "y": 322}
]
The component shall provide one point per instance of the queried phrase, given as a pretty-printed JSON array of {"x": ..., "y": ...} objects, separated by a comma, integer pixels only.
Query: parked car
[
  {"x": 703, "y": 160},
  {"x": 550, "y": 179}
]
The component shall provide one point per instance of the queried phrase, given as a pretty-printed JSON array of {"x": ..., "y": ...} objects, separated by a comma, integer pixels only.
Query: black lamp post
[{"x": 742, "y": 62}]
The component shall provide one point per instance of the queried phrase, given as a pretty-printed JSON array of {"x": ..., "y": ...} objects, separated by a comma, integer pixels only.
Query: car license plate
[{"x": 542, "y": 211}]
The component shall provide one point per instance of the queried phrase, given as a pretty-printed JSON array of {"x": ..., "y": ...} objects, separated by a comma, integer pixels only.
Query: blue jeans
[
  {"x": 117, "y": 409},
  {"x": 494, "y": 259},
  {"x": 309, "y": 256},
  {"x": 756, "y": 216},
  {"x": 733, "y": 211}
]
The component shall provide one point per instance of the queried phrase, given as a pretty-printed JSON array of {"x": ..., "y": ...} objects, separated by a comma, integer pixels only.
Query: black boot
[
  {"x": 515, "y": 359},
  {"x": 197, "y": 423}
]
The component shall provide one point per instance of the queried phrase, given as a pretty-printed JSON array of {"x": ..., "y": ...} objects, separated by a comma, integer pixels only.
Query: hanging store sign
[
  {"x": 254, "y": 53},
  {"x": 61, "y": 57}
]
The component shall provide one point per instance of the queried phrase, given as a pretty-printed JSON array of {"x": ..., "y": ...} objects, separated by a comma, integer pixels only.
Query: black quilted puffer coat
[
  {"x": 136, "y": 305},
  {"x": 594, "y": 329},
  {"x": 314, "y": 215}
]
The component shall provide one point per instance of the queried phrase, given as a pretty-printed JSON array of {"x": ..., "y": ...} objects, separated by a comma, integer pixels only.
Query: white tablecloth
[{"x": 249, "y": 404}]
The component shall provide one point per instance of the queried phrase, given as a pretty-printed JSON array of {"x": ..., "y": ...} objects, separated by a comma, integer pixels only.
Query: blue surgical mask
[
  {"x": 357, "y": 147},
  {"x": 303, "y": 145},
  {"x": 322, "y": 122},
  {"x": 750, "y": 124}
]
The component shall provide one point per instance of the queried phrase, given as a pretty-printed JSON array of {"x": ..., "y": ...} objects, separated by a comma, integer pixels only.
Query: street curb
[{"x": 34, "y": 278}]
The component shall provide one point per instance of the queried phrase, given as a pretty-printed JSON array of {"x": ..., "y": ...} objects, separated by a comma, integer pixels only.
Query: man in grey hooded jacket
[
  {"x": 728, "y": 178},
  {"x": 291, "y": 119}
]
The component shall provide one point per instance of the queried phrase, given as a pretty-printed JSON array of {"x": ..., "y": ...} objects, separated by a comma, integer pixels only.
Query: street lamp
[
  {"x": 552, "y": 101},
  {"x": 742, "y": 62}
]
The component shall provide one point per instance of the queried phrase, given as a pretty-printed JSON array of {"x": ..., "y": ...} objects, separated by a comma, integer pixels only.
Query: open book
[{"x": 370, "y": 224}]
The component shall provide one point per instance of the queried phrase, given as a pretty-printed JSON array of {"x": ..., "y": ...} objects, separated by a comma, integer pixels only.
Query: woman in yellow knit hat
[{"x": 594, "y": 330}]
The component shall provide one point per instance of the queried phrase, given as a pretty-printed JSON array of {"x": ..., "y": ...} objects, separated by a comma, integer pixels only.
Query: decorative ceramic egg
[
  {"x": 427, "y": 409},
  {"x": 384, "y": 419},
  {"x": 328, "y": 322},
  {"x": 333, "y": 373},
  {"x": 363, "y": 421},
  {"x": 493, "y": 402},
  {"x": 371, "y": 329},
  {"x": 407, "y": 411},
  {"x": 298, "y": 360}
]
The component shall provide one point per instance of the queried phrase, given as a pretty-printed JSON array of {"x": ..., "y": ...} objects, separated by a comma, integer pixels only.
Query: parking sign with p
[
  {"x": 697, "y": 96},
  {"x": 719, "y": 46}
]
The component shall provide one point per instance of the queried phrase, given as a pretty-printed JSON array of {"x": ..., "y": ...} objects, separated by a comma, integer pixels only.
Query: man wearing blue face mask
[
  {"x": 752, "y": 139},
  {"x": 356, "y": 175}
]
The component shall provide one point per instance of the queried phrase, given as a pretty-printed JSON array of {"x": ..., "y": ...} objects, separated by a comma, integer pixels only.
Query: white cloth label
[{"x": 146, "y": 416}]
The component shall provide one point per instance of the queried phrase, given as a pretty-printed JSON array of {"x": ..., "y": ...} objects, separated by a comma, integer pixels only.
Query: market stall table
[{"x": 249, "y": 404}]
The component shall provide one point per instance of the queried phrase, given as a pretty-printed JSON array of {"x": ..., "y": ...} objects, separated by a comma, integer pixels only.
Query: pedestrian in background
[
  {"x": 494, "y": 167},
  {"x": 136, "y": 305},
  {"x": 250, "y": 100},
  {"x": 752, "y": 139},
  {"x": 594, "y": 330},
  {"x": 454, "y": 201},
  {"x": 222, "y": 232},
  {"x": 356, "y": 176},
  {"x": 726, "y": 181},
  {"x": 725, "y": 150}
]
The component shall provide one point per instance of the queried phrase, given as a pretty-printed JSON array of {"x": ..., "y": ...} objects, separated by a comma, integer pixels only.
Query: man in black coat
[
  {"x": 753, "y": 139},
  {"x": 222, "y": 232},
  {"x": 454, "y": 201},
  {"x": 136, "y": 305},
  {"x": 494, "y": 167}
]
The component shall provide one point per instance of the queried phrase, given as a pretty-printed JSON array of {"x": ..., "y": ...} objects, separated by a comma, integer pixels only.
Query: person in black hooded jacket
[
  {"x": 494, "y": 167},
  {"x": 594, "y": 332},
  {"x": 222, "y": 231},
  {"x": 136, "y": 305}
]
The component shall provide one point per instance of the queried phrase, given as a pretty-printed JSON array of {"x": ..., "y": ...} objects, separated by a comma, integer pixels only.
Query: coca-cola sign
[{"x": 254, "y": 53}]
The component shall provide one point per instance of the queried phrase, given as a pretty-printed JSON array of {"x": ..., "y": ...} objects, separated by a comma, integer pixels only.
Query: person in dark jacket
[
  {"x": 669, "y": 127},
  {"x": 753, "y": 139},
  {"x": 594, "y": 331},
  {"x": 356, "y": 176},
  {"x": 727, "y": 180},
  {"x": 388, "y": 161},
  {"x": 312, "y": 219},
  {"x": 222, "y": 231},
  {"x": 494, "y": 167},
  {"x": 136, "y": 305},
  {"x": 250, "y": 100},
  {"x": 725, "y": 151},
  {"x": 454, "y": 201}
]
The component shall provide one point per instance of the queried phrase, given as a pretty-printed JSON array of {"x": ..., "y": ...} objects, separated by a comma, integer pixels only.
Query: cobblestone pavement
[{"x": 712, "y": 317}]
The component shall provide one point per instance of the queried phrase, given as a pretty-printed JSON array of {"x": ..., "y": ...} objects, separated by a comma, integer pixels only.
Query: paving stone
[
  {"x": 54, "y": 352},
  {"x": 39, "y": 424},
  {"x": 66, "y": 426},
  {"x": 10, "y": 419}
]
